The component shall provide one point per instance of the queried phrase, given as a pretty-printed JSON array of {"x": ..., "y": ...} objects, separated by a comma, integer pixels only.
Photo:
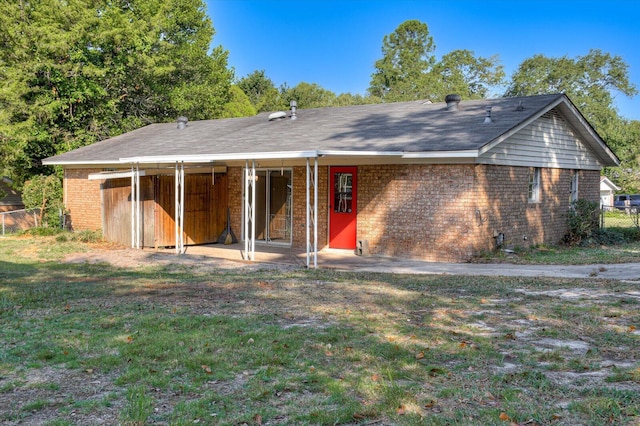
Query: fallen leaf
[
  {"x": 258, "y": 419},
  {"x": 401, "y": 410},
  {"x": 463, "y": 344},
  {"x": 129, "y": 339},
  {"x": 206, "y": 368},
  {"x": 328, "y": 353},
  {"x": 375, "y": 377},
  {"x": 430, "y": 404},
  {"x": 504, "y": 417},
  {"x": 632, "y": 328},
  {"x": 420, "y": 355}
]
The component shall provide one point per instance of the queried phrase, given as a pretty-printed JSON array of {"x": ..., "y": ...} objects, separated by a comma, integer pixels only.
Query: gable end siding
[{"x": 547, "y": 142}]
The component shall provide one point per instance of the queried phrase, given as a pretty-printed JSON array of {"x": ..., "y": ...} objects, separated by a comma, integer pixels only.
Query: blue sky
[{"x": 336, "y": 43}]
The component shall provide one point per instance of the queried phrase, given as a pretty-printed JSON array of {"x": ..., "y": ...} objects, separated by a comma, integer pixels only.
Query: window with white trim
[
  {"x": 573, "y": 191},
  {"x": 534, "y": 184}
]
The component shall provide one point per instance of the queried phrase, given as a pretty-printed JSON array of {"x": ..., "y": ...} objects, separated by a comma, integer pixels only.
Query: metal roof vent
[
  {"x": 452, "y": 102},
  {"x": 294, "y": 107},
  {"x": 277, "y": 115},
  {"x": 182, "y": 122},
  {"x": 520, "y": 107},
  {"x": 487, "y": 117}
]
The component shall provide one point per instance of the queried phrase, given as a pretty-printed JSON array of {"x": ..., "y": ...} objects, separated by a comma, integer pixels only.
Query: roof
[
  {"x": 409, "y": 129},
  {"x": 608, "y": 184}
]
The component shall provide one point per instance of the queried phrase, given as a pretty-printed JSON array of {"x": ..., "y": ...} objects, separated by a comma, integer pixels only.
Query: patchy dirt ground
[{"x": 315, "y": 303}]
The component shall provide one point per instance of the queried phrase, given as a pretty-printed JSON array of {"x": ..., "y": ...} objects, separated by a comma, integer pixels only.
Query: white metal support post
[
  {"x": 253, "y": 209},
  {"x": 179, "y": 207},
  {"x": 138, "y": 209},
  {"x": 249, "y": 210},
  {"x": 133, "y": 207},
  {"x": 312, "y": 213}
]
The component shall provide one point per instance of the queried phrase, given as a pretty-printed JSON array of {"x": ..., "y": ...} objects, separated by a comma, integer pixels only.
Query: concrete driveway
[{"x": 346, "y": 260}]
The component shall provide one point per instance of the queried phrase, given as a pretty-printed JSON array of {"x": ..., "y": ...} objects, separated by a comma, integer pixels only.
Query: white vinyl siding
[{"x": 547, "y": 142}]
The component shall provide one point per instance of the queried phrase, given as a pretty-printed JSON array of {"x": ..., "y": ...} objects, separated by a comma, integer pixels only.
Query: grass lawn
[{"x": 86, "y": 344}]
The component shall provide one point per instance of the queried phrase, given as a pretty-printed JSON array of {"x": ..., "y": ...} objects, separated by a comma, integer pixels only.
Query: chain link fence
[
  {"x": 627, "y": 217},
  {"x": 20, "y": 220}
]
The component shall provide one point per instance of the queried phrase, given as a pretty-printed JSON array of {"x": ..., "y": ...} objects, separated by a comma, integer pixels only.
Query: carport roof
[{"x": 406, "y": 129}]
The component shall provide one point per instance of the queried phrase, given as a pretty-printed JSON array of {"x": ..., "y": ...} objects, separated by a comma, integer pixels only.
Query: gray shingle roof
[{"x": 390, "y": 127}]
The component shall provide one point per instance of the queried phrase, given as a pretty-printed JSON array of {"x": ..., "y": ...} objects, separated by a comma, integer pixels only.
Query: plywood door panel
[{"x": 205, "y": 206}]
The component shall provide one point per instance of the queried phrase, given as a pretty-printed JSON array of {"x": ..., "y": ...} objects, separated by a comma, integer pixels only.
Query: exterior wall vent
[
  {"x": 182, "y": 122},
  {"x": 452, "y": 102}
]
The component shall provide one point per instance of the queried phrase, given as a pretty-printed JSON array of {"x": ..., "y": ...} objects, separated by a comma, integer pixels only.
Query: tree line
[{"x": 79, "y": 71}]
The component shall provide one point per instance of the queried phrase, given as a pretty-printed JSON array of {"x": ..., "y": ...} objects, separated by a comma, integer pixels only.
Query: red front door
[{"x": 343, "y": 208}]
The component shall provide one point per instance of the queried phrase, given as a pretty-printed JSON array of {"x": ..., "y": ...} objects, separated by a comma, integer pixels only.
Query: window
[
  {"x": 534, "y": 184},
  {"x": 343, "y": 191},
  {"x": 573, "y": 191}
]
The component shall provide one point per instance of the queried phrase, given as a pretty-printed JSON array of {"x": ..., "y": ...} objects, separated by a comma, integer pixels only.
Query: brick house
[{"x": 435, "y": 181}]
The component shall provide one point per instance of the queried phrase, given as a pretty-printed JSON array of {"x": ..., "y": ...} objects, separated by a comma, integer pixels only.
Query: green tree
[
  {"x": 591, "y": 81},
  {"x": 308, "y": 95},
  {"x": 44, "y": 193},
  {"x": 239, "y": 105},
  {"x": 77, "y": 71},
  {"x": 409, "y": 70},
  {"x": 460, "y": 72},
  {"x": 261, "y": 91},
  {"x": 407, "y": 58}
]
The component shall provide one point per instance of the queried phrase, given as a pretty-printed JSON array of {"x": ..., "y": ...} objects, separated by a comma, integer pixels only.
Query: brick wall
[
  {"x": 452, "y": 212},
  {"x": 418, "y": 211},
  {"x": 502, "y": 206},
  {"x": 82, "y": 199}
]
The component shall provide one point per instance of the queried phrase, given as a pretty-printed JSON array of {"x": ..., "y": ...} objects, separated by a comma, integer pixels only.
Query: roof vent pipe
[
  {"x": 452, "y": 102},
  {"x": 487, "y": 117},
  {"x": 520, "y": 107},
  {"x": 294, "y": 107},
  {"x": 182, "y": 122}
]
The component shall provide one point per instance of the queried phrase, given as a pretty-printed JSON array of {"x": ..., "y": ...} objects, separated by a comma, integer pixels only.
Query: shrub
[{"x": 582, "y": 221}]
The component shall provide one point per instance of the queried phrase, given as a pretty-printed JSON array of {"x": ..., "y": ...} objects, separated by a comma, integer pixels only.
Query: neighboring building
[
  {"x": 439, "y": 182},
  {"x": 10, "y": 199},
  {"x": 607, "y": 191}
]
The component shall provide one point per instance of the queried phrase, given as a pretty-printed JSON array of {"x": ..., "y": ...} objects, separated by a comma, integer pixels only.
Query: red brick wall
[
  {"x": 452, "y": 212},
  {"x": 501, "y": 205},
  {"x": 418, "y": 211},
  {"x": 82, "y": 199}
]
